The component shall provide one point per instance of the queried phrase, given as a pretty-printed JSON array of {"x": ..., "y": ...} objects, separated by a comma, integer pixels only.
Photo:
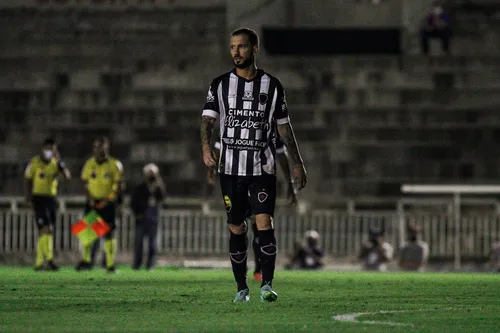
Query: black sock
[
  {"x": 256, "y": 254},
  {"x": 268, "y": 250},
  {"x": 238, "y": 245}
]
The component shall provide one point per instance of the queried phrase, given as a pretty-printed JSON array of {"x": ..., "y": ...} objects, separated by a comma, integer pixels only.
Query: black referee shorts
[
  {"x": 45, "y": 210},
  {"x": 107, "y": 213},
  {"x": 248, "y": 195}
]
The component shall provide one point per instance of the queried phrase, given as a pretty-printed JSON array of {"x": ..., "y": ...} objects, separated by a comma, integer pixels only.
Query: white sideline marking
[{"x": 353, "y": 317}]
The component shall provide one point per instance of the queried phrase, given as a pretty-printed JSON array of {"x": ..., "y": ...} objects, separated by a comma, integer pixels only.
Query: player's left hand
[
  {"x": 291, "y": 195},
  {"x": 299, "y": 176}
]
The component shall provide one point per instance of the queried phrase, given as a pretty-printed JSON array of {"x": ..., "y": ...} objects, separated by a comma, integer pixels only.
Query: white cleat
[{"x": 242, "y": 296}]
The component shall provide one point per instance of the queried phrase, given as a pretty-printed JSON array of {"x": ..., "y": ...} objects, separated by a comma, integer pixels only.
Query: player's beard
[{"x": 245, "y": 64}]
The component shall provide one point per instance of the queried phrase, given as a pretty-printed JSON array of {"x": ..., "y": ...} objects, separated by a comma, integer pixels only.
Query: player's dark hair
[
  {"x": 102, "y": 139},
  {"x": 49, "y": 142},
  {"x": 253, "y": 38}
]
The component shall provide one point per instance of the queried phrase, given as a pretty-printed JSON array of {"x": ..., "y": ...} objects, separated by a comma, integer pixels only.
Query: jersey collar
[
  {"x": 259, "y": 74},
  {"x": 103, "y": 161}
]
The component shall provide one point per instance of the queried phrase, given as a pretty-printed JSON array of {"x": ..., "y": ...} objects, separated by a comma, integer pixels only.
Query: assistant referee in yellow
[
  {"x": 103, "y": 180},
  {"x": 40, "y": 187}
]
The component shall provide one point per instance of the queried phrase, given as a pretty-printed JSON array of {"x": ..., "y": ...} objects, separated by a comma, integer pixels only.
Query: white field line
[{"x": 353, "y": 317}]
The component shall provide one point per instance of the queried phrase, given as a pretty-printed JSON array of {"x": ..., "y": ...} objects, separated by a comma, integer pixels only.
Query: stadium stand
[{"x": 366, "y": 124}]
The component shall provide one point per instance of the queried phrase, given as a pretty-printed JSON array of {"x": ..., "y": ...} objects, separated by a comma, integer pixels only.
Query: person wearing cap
[
  {"x": 145, "y": 202},
  {"x": 376, "y": 253},
  {"x": 308, "y": 255},
  {"x": 414, "y": 253}
]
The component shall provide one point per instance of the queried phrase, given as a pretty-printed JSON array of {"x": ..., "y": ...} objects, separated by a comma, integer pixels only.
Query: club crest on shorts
[
  {"x": 227, "y": 203},
  {"x": 262, "y": 98},
  {"x": 262, "y": 196}
]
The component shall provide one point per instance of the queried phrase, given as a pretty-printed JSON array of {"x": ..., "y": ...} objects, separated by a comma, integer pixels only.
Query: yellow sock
[
  {"x": 43, "y": 239},
  {"x": 49, "y": 247},
  {"x": 110, "y": 250},
  {"x": 39, "y": 251},
  {"x": 86, "y": 251}
]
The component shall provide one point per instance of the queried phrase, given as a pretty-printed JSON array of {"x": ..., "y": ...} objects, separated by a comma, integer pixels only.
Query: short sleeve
[
  {"x": 86, "y": 171},
  {"x": 211, "y": 108},
  {"x": 281, "y": 111},
  {"x": 29, "y": 172}
]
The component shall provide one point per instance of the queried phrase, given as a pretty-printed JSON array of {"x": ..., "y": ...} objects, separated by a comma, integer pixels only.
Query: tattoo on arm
[
  {"x": 288, "y": 138},
  {"x": 285, "y": 166},
  {"x": 207, "y": 127}
]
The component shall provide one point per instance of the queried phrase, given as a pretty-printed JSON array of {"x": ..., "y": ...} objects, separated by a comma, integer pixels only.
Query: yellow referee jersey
[
  {"x": 103, "y": 179},
  {"x": 44, "y": 176}
]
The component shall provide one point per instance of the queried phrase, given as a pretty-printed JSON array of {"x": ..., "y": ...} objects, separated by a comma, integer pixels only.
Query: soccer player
[
  {"x": 40, "y": 187},
  {"x": 102, "y": 175},
  {"x": 251, "y": 106},
  {"x": 291, "y": 196}
]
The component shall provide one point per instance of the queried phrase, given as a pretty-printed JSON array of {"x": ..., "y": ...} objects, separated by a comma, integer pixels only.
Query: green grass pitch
[{"x": 186, "y": 300}]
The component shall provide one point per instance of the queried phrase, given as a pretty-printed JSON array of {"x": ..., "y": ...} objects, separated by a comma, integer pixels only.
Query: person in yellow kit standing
[
  {"x": 40, "y": 187},
  {"x": 102, "y": 175}
]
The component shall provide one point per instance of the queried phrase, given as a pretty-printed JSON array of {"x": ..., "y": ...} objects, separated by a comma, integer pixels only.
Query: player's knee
[
  {"x": 264, "y": 222},
  {"x": 238, "y": 229},
  {"x": 269, "y": 250}
]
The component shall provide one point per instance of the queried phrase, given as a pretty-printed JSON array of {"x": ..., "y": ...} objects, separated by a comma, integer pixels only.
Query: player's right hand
[
  {"x": 212, "y": 173},
  {"x": 208, "y": 158},
  {"x": 299, "y": 176}
]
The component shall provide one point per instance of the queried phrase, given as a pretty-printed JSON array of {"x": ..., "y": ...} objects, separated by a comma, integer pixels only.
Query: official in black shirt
[{"x": 145, "y": 203}]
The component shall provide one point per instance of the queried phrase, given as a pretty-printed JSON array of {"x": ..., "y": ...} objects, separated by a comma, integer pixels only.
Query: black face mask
[{"x": 152, "y": 179}]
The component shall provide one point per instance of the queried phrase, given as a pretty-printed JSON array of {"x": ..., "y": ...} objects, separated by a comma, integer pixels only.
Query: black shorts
[
  {"x": 248, "y": 195},
  {"x": 107, "y": 213},
  {"x": 45, "y": 210}
]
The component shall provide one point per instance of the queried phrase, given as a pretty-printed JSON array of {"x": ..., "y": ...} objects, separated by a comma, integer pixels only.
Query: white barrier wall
[{"x": 195, "y": 233}]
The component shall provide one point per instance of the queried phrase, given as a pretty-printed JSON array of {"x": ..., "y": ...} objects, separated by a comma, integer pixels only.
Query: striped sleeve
[
  {"x": 281, "y": 112},
  {"x": 211, "y": 108}
]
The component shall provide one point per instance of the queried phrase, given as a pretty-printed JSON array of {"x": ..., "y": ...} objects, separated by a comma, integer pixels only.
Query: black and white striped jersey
[
  {"x": 249, "y": 112},
  {"x": 280, "y": 146}
]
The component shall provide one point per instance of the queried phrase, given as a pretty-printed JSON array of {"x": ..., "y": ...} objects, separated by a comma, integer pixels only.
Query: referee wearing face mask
[
  {"x": 145, "y": 203},
  {"x": 41, "y": 179}
]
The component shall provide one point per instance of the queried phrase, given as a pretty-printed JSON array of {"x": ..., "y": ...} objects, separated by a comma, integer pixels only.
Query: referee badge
[{"x": 261, "y": 196}]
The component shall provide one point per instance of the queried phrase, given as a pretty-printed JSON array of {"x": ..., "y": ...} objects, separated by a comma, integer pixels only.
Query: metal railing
[{"x": 206, "y": 234}]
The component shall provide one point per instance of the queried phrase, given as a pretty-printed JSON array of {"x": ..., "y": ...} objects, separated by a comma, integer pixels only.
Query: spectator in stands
[
  {"x": 308, "y": 254},
  {"x": 436, "y": 25},
  {"x": 145, "y": 202},
  {"x": 40, "y": 185},
  {"x": 494, "y": 258},
  {"x": 415, "y": 253},
  {"x": 376, "y": 253}
]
